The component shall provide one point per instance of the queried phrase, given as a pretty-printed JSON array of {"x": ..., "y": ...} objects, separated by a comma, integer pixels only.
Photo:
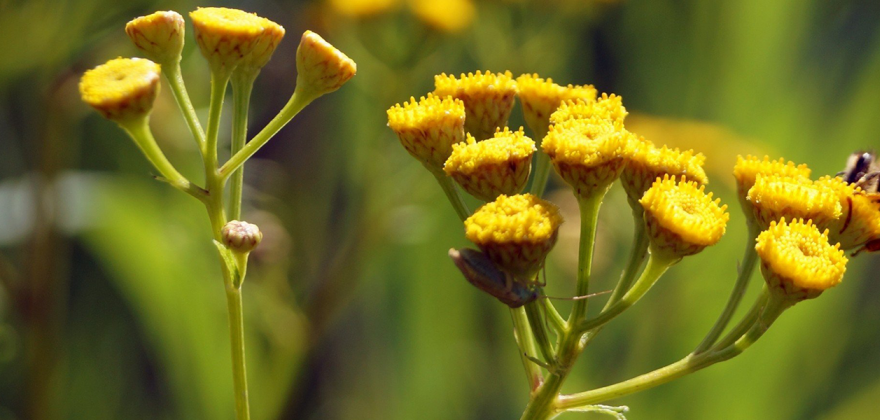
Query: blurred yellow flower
[
  {"x": 681, "y": 218},
  {"x": 515, "y": 232},
  {"x": 428, "y": 128},
  {"x": 446, "y": 15},
  {"x": 775, "y": 197},
  {"x": 541, "y": 97},
  {"x": 122, "y": 89},
  {"x": 488, "y": 99},
  {"x": 797, "y": 260},
  {"x": 492, "y": 167},
  {"x": 159, "y": 35},
  {"x": 362, "y": 8},
  {"x": 646, "y": 163},
  {"x": 859, "y": 223}
]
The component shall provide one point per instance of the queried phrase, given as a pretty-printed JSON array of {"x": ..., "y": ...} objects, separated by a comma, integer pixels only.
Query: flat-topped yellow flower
[
  {"x": 607, "y": 106},
  {"x": 647, "y": 162},
  {"x": 227, "y": 36},
  {"x": 747, "y": 170},
  {"x": 515, "y": 232},
  {"x": 488, "y": 99},
  {"x": 428, "y": 128},
  {"x": 858, "y": 226},
  {"x": 159, "y": 35},
  {"x": 588, "y": 154},
  {"x": 774, "y": 197},
  {"x": 540, "y": 98},
  {"x": 122, "y": 89},
  {"x": 320, "y": 67},
  {"x": 492, "y": 167},
  {"x": 681, "y": 218},
  {"x": 797, "y": 260}
]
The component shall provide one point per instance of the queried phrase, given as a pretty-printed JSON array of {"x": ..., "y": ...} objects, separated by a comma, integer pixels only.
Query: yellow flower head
[
  {"x": 447, "y": 16},
  {"x": 774, "y": 197},
  {"x": 588, "y": 154},
  {"x": 492, "y": 167},
  {"x": 747, "y": 170},
  {"x": 228, "y": 36},
  {"x": 122, "y": 89},
  {"x": 607, "y": 106},
  {"x": 859, "y": 224},
  {"x": 681, "y": 218},
  {"x": 540, "y": 97},
  {"x": 646, "y": 163},
  {"x": 262, "y": 49},
  {"x": 428, "y": 128},
  {"x": 362, "y": 8},
  {"x": 159, "y": 36},
  {"x": 515, "y": 232},
  {"x": 488, "y": 99},
  {"x": 320, "y": 67},
  {"x": 797, "y": 261}
]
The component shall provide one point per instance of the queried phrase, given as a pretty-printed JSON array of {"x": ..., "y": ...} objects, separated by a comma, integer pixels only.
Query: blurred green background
[{"x": 111, "y": 303}]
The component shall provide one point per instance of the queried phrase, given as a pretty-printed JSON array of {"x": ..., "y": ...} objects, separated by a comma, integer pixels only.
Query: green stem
[
  {"x": 636, "y": 257},
  {"x": 178, "y": 90},
  {"x": 541, "y": 168},
  {"x": 525, "y": 341},
  {"x": 452, "y": 194},
  {"x": 536, "y": 321},
  {"x": 236, "y": 335},
  {"x": 241, "y": 96},
  {"x": 747, "y": 321},
  {"x": 218, "y": 92},
  {"x": 553, "y": 316},
  {"x": 297, "y": 102},
  {"x": 139, "y": 131},
  {"x": 750, "y": 259},
  {"x": 589, "y": 209}
]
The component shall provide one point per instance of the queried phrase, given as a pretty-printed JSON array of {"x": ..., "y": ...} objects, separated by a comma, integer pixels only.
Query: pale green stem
[
  {"x": 297, "y": 102},
  {"x": 236, "y": 335},
  {"x": 452, "y": 194},
  {"x": 241, "y": 96},
  {"x": 746, "y": 322},
  {"x": 750, "y": 259},
  {"x": 589, "y": 209},
  {"x": 541, "y": 168},
  {"x": 178, "y": 90},
  {"x": 556, "y": 320},
  {"x": 218, "y": 92},
  {"x": 525, "y": 341},
  {"x": 688, "y": 365},
  {"x": 636, "y": 257},
  {"x": 139, "y": 131},
  {"x": 536, "y": 321}
]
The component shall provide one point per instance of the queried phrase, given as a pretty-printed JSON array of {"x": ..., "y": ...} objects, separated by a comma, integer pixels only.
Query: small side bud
[
  {"x": 159, "y": 35},
  {"x": 241, "y": 236},
  {"x": 320, "y": 67},
  {"x": 123, "y": 89}
]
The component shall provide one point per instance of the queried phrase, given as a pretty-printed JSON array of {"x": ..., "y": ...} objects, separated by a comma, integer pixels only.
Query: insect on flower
[{"x": 863, "y": 170}]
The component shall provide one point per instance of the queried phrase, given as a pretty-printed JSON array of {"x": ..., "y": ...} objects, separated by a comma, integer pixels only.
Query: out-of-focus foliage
[{"x": 112, "y": 304}]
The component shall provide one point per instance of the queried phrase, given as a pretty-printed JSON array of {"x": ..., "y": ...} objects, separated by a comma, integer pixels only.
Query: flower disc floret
[
  {"x": 775, "y": 197},
  {"x": 488, "y": 99},
  {"x": 681, "y": 218},
  {"x": 541, "y": 97},
  {"x": 646, "y": 163},
  {"x": 588, "y": 154},
  {"x": 227, "y": 36},
  {"x": 798, "y": 261},
  {"x": 159, "y": 35},
  {"x": 122, "y": 89},
  {"x": 859, "y": 223},
  {"x": 609, "y": 107},
  {"x": 515, "y": 232},
  {"x": 492, "y": 167},
  {"x": 427, "y": 129}
]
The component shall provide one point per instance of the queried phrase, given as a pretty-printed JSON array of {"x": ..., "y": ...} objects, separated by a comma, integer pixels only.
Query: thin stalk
[
  {"x": 525, "y": 341},
  {"x": 297, "y": 102},
  {"x": 241, "y": 96},
  {"x": 541, "y": 168},
  {"x": 747, "y": 321},
  {"x": 178, "y": 90},
  {"x": 236, "y": 335},
  {"x": 139, "y": 131},
  {"x": 452, "y": 194},
  {"x": 218, "y": 92},
  {"x": 536, "y": 321},
  {"x": 750, "y": 259},
  {"x": 636, "y": 257},
  {"x": 589, "y": 209},
  {"x": 556, "y": 320}
]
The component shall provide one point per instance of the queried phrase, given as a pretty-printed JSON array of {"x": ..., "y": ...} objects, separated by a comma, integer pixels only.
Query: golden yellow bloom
[
  {"x": 747, "y": 169},
  {"x": 859, "y": 224},
  {"x": 428, "y": 128},
  {"x": 588, "y": 154},
  {"x": 488, "y": 99},
  {"x": 492, "y": 167},
  {"x": 540, "y": 97},
  {"x": 158, "y": 35},
  {"x": 447, "y": 16},
  {"x": 775, "y": 197},
  {"x": 320, "y": 67},
  {"x": 122, "y": 89},
  {"x": 607, "y": 106},
  {"x": 681, "y": 218},
  {"x": 797, "y": 261},
  {"x": 227, "y": 36},
  {"x": 646, "y": 163},
  {"x": 515, "y": 232},
  {"x": 362, "y": 8}
]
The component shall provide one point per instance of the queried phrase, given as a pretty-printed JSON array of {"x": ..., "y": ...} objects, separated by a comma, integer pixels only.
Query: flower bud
[
  {"x": 320, "y": 67},
  {"x": 159, "y": 35},
  {"x": 427, "y": 129},
  {"x": 607, "y": 107},
  {"x": 227, "y": 36},
  {"x": 492, "y": 167},
  {"x": 774, "y": 197},
  {"x": 240, "y": 236},
  {"x": 747, "y": 169},
  {"x": 646, "y": 163},
  {"x": 123, "y": 89}
]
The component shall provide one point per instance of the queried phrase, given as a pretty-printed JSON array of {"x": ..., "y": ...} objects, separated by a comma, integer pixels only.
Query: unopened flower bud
[
  {"x": 320, "y": 67},
  {"x": 158, "y": 35},
  {"x": 123, "y": 89},
  {"x": 240, "y": 236},
  {"x": 227, "y": 36}
]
